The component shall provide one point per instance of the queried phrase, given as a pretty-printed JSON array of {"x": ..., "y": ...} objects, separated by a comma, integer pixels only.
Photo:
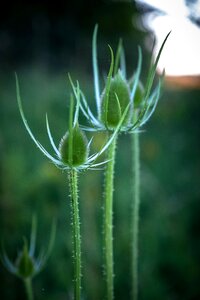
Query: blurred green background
[{"x": 43, "y": 41}]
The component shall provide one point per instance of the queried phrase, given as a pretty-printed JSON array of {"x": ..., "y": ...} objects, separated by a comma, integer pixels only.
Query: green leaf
[
  {"x": 51, "y": 241},
  {"x": 70, "y": 145},
  {"x": 137, "y": 74},
  {"x": 108, "y": 82},
  {"x": 50, "y": 136},
  {"x": 152, "y": 71},
  {"x": 153, "y": 100},
  {"x": 76, "y": 115},
  {"x": 123, "y": 61},
  {"x": 95, "y": 68},
  {"x": 33, "y": 236},
  {"x": 42, "y": 149},
  {"x": 6, "y": 262},
  {"x": 117, "y": 57}
]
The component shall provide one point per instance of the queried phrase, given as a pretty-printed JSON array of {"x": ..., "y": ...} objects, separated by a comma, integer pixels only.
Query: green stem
[
  {"x": 135, "y": 216},
  {"x": 73, "y": 184},
  {"x": 29, "y": 289},
  {"x": 108, "y": 219}
]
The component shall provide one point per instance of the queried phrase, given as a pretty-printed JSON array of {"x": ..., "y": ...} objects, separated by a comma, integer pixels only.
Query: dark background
[{"x": 43, "y": 41}]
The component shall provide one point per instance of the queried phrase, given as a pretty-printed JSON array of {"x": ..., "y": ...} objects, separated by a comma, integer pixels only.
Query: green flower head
[
  {"x": 79, "y": 149},
  {"x": 122, "y": 98},
  {"x": 113, "y": 107},
  {"x": 27, "y": 265},
  {"x": 73, "y": 149}
]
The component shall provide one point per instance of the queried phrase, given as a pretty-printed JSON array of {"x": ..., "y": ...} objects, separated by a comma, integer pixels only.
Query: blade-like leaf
[
  {"x": 117, "y": 57},
  {"x": 44, "y": 255},
  {"x": 123, "y": 62},
  {"x": 152, "y": 72},
  {"x": 76, "y": 115},
  {"x": 137, "y": 74},
  {"x": 118, "y": 105},
  {"x": 50, "y": 136},
  {"x": 51, "y": 240},
  {"x": 7, "y": 263},
  {"x": 101, "y": 163},
  {"x": 42, "y": 149},
  {"x": 108, "y": 82},
  {"x": 77, "y": 93},
  {"x": 40, "y": 261},
  {"x": 33, "y": 236},
  {"x": 71, "y": 130},
  {"x": 91, "y": 129},
  {"x": 88, "y": 111},
  {"x": 95, "y": 68},
  {"x": 155, "y": 98},
  {"x": 89, "y": 143}
]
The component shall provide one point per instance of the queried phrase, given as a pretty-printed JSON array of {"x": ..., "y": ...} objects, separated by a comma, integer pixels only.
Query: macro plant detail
[
  {"x": 128, "y": 97},
  {"x": 27, "y": 265},
  {"x": 123, "y": 105},
  {"x": 72, "y": 155},
  {"x": 120, "y": 92}
]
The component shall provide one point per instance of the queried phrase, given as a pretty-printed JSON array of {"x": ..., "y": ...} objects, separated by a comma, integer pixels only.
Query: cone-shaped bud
[
  {"x": 113, "y": 106},
  {"x": 25, "y": 263},
  {"x": 73, "y": 147}
]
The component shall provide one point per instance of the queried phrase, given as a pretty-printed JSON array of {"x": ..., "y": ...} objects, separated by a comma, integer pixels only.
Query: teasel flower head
[
  {"x": 121, "y": 93},
  {"x": 73, "y": 150},
  {"x": 27, "y": 264}
]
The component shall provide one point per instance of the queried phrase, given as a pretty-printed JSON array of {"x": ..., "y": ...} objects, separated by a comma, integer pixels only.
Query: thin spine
[
  {"x": 42, "y": 149},
  {"x": 123, "y": 61},
  {"x": 73, "y": 184},
  {"x": 135, "y": 212},
  {"x": 29, "y": 289},
  {"x": 33, "y": 236},
  {"x": 108, "y": 220},
  {"x": 118, "y": 55},
  {"x": 95, "y": 68},
  {"x": 108, "y": 83}
]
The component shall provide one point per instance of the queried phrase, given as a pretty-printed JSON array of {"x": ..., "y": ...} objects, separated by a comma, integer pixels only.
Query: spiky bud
[
  {"x": 113, "y": 108},
  {"x": 25, "y": 263},
  {"x": 78, "y": 147}
]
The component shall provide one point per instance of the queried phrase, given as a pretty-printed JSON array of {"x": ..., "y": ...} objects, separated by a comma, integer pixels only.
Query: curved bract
[
  {"x": 27, "y": 265},
  {"x": 120, "y": 93},
  {"x": 74, "y": 148}
]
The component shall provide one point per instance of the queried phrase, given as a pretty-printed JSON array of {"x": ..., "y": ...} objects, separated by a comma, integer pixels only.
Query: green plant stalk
[
  {"x": 73, "y": 184},
  {"x": 29, "y": 289},
  {"x": 108, "y": 219},
  {"x": 135, "y": 212}
]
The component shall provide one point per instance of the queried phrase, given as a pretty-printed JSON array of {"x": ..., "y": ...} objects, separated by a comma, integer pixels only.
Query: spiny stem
[
  {"x": 135, "y": 213},
  {"x": 108, "y": 219},
  {"x": 29, "y": 289},
  {"x": 73, "y": 184}
]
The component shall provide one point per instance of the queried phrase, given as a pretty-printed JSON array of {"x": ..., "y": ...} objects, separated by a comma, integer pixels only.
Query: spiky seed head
[
  {"x": 25, "y": 263},
  {"x": 118, "y": 99},
  {"x": 79, "y": 149}
]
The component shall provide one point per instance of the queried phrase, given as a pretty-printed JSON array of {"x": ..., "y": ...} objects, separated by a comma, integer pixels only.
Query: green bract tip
[{"x": 25, "y": 264}]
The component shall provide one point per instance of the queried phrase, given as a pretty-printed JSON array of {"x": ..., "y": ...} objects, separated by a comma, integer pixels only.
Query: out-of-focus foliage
[{"x": 170, "y": 161}]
